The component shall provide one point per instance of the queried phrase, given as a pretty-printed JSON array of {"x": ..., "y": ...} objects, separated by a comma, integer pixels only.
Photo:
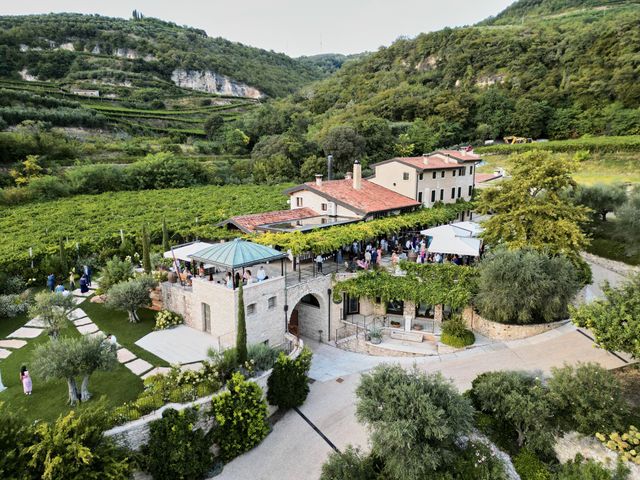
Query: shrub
[
  {"x": 477, "y": 461},
  {"x": 262, "y": 356},
  {"x": 627, "y": 444},
  {"x": 587, "y": 398},
  {"x": 288, "y": 384},
  {"x": 520, "y": 402},
  {"x": 115, "y": 271},
  {"x": 525, "y": 286},
  {"x": 226, "y": 362},
  {"x": 15, "y": 435},
  {"x": 167, "y": 319},
  {"x": 12, "y": 306},
  {"x": 241, "y": 417},
  {"x": 455, "y": 334},
  {"x": 351, "y": 464},
  {"x": 177, "y": 451},
  {"x": 579, "y": 469},
  {"x": 530, "y": 467}
]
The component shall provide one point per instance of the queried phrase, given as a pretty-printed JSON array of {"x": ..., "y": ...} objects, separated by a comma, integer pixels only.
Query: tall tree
[
  {"x": 530, "y": 209},
  {"x": 416, "y": 420},
  {"x": 59, "y": 360},
  {"x": 64, "y": 265},
  {"x": 628, "y": 227},
  {"x": 614, "y": 321},
  {"x": 165, "y": 236},
  {"x": 241, "y": 336},
  {"x": 600, "y": 198},
  {"x": 345, "y": 144},
  {"x": 95, "y": 354},
  {"x": 146, "y": 250}
]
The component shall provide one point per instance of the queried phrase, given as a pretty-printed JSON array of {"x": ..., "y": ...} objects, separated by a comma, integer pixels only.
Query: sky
[{"x": 294, "y": 27}]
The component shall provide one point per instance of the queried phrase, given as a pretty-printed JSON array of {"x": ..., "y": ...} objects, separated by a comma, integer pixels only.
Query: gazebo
[{"x": 237, "y": 254}]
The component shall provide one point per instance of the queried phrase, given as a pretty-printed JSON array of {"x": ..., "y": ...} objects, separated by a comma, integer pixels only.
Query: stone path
[{"x": 26, "y": 332}]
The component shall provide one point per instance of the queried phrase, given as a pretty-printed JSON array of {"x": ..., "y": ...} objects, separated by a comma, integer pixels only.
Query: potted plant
[{"x": 375, "y": 335}]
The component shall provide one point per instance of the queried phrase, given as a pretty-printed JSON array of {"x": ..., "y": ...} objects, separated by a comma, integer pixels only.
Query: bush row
[{"x": 611, "y": 144}]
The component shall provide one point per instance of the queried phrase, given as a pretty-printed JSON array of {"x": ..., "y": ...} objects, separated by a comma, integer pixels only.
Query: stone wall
[
  {"x": 501, "y": 331},
  {"x": 178, "y": 299},
  {"x": 135, "y": 434}
]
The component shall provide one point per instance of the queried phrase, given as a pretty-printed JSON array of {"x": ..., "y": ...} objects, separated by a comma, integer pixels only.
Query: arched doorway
[{"x": 309, "y": 317}]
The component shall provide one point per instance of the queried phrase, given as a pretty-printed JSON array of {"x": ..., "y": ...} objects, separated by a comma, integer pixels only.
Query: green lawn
[
  {"x": 49, "y": 399},
  {"x": 116, "y": 322},
  {"x": 9, "y": 325}
]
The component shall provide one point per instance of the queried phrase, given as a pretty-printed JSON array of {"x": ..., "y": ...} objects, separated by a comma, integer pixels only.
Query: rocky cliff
[{"x": 211, "y": 82}]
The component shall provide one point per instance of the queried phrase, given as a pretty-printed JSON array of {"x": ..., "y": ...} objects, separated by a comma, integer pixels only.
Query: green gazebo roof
[{"x": 237, "y": 254}]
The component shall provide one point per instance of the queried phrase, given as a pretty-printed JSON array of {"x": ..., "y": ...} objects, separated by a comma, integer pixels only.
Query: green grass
[
  {"x": 604, "y": 244},
  {"x": 49, "y": 399},
  {"x": 621, "y": 167},
  {"x": 127, "y": 333},
  {"x": 9, "y": 325}
]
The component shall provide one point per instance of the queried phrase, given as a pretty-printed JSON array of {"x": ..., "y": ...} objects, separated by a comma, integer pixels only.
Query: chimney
[
  {"x": 319, "y": 179},
  {"x": 357, "y": 175},
  {"x": 329, "y": 167},
  {"x": 348, "y": 176}
]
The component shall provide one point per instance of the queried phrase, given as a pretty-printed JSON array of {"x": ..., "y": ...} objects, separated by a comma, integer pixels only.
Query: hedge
[{"x": 613, "y": 144}]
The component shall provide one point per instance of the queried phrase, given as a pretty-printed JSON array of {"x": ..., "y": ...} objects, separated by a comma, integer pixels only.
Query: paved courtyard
[{"x": 180, "y": 344}]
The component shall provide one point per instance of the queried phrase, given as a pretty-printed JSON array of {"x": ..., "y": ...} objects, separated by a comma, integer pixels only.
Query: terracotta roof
[
  {"x": 248, "y": 223},
  {"x": 438, "y": 160},
  {"x": 486, "y": 177},
  {"x": 370, "y": 198}
]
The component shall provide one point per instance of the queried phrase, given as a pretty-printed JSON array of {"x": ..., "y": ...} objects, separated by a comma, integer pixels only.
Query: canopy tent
[
  {"x": 183, "y": 252},
  {"x": 456, "y": 239},
  {"x": 236, "y": 254}
]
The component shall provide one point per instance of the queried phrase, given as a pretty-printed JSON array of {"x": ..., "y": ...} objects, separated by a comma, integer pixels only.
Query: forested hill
[
  {"x": 523, "y": 10},
  {"x": 103, "y": 50},
  {"x": 558, "y": 76}
]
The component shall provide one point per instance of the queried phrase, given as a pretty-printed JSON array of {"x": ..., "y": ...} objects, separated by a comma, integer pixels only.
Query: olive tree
[
  {"x": 415, "y": 419},
  {"x": 95, "y": 354},
  {"x": 525, "y": 286},
  {"x": 52, "y": 309},
  {"x": 600, "y": 198},
  {"x": 130, "y": 295}
]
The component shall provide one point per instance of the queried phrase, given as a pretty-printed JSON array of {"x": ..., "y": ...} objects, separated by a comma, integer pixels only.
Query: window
[
  {"x": 442, "y": 174},
  {"x": 470, "y": 190},
  {"x": 463, "y": 171},
  {"x": 433, "y": 197},
  {"x": 271, "y": 303},
  {"x": 454, "y": 173},
  {"x": 405, "y": 176},
  {"x": 251, "y": 308},
  {"x": 453, "y": 192},
  {"x": 206, "y": 317},
  {"x": 434, "y": 174},
  {"x": 459, "y": 192},
  {"x": 420, "y": 197},
  {"x": 298, "y": 201},
  {"x": 442, "y": 194},
  {"x": 310, "y": 300},
  {"x": 421, "y": 176},
  {"x": 471, "y": 170},
  {"x": 323, "y": 206}
]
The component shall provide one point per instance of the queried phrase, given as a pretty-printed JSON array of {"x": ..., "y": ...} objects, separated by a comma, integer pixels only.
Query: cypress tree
[
  {"x": 64, "y": 267},
  {"x": 241, "y": 338},
  {"x": 146, "y": 247},
  {"x": 165, "y": 236}
]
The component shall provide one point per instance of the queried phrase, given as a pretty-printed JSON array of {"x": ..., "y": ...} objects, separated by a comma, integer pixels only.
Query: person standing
[
  {"x": 319, "y": 261},
  {"x": 374, "y": 256},
  {"x": 25, "y": 378},
  {"x": 87, "y": 272},
  {"x": 84, "y": 287},
  {"x": 72, "y": 281},
  {"x": 51, "y": 282}
]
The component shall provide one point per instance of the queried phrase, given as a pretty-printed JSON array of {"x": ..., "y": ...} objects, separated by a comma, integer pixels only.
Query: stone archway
[{"x": 308, "y": 314}]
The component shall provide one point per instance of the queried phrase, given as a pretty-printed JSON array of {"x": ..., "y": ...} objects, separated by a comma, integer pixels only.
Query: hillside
[
  {"x": 112, "y": 54},
  {"x": 558, "y": 76}
]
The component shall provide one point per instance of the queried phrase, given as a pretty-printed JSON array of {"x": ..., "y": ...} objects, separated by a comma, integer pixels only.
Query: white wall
[
  {"x": 315, "y": 201},
  {"x": 391, "y": 176}
]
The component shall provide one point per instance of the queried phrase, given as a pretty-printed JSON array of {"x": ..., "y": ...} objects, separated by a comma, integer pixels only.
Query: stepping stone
[
  {"x": 12, "y": 343},
  {"x": 78, "y": 300},
  {"x": 125, "y": 355},
  {"x": 89, "y": 328},
  {"x": 78, "y": 293},
  {"x": 138, "y": 366},
  {"x": 76, "y": 314},
  {"x": 4, "y": 353},
  {"x": 192, "y": 366},
  {"x": 26, "y": 332},
  {"x": 156, "y": 371},
  {"x": 82, "y": 321},
  {"x": 35, "y": 322}
]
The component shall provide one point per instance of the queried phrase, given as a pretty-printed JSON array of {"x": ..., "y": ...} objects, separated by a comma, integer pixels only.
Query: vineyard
[
  {"x": 91, "y": 223},
  {"x": 611, "y": 144}
]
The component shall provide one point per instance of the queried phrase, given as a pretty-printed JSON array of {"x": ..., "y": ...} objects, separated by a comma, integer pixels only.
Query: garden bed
[{"x": 503, "y": 331}]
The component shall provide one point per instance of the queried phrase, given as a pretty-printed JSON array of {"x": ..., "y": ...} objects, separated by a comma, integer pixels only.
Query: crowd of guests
[{"x": 58, "y": 287}]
